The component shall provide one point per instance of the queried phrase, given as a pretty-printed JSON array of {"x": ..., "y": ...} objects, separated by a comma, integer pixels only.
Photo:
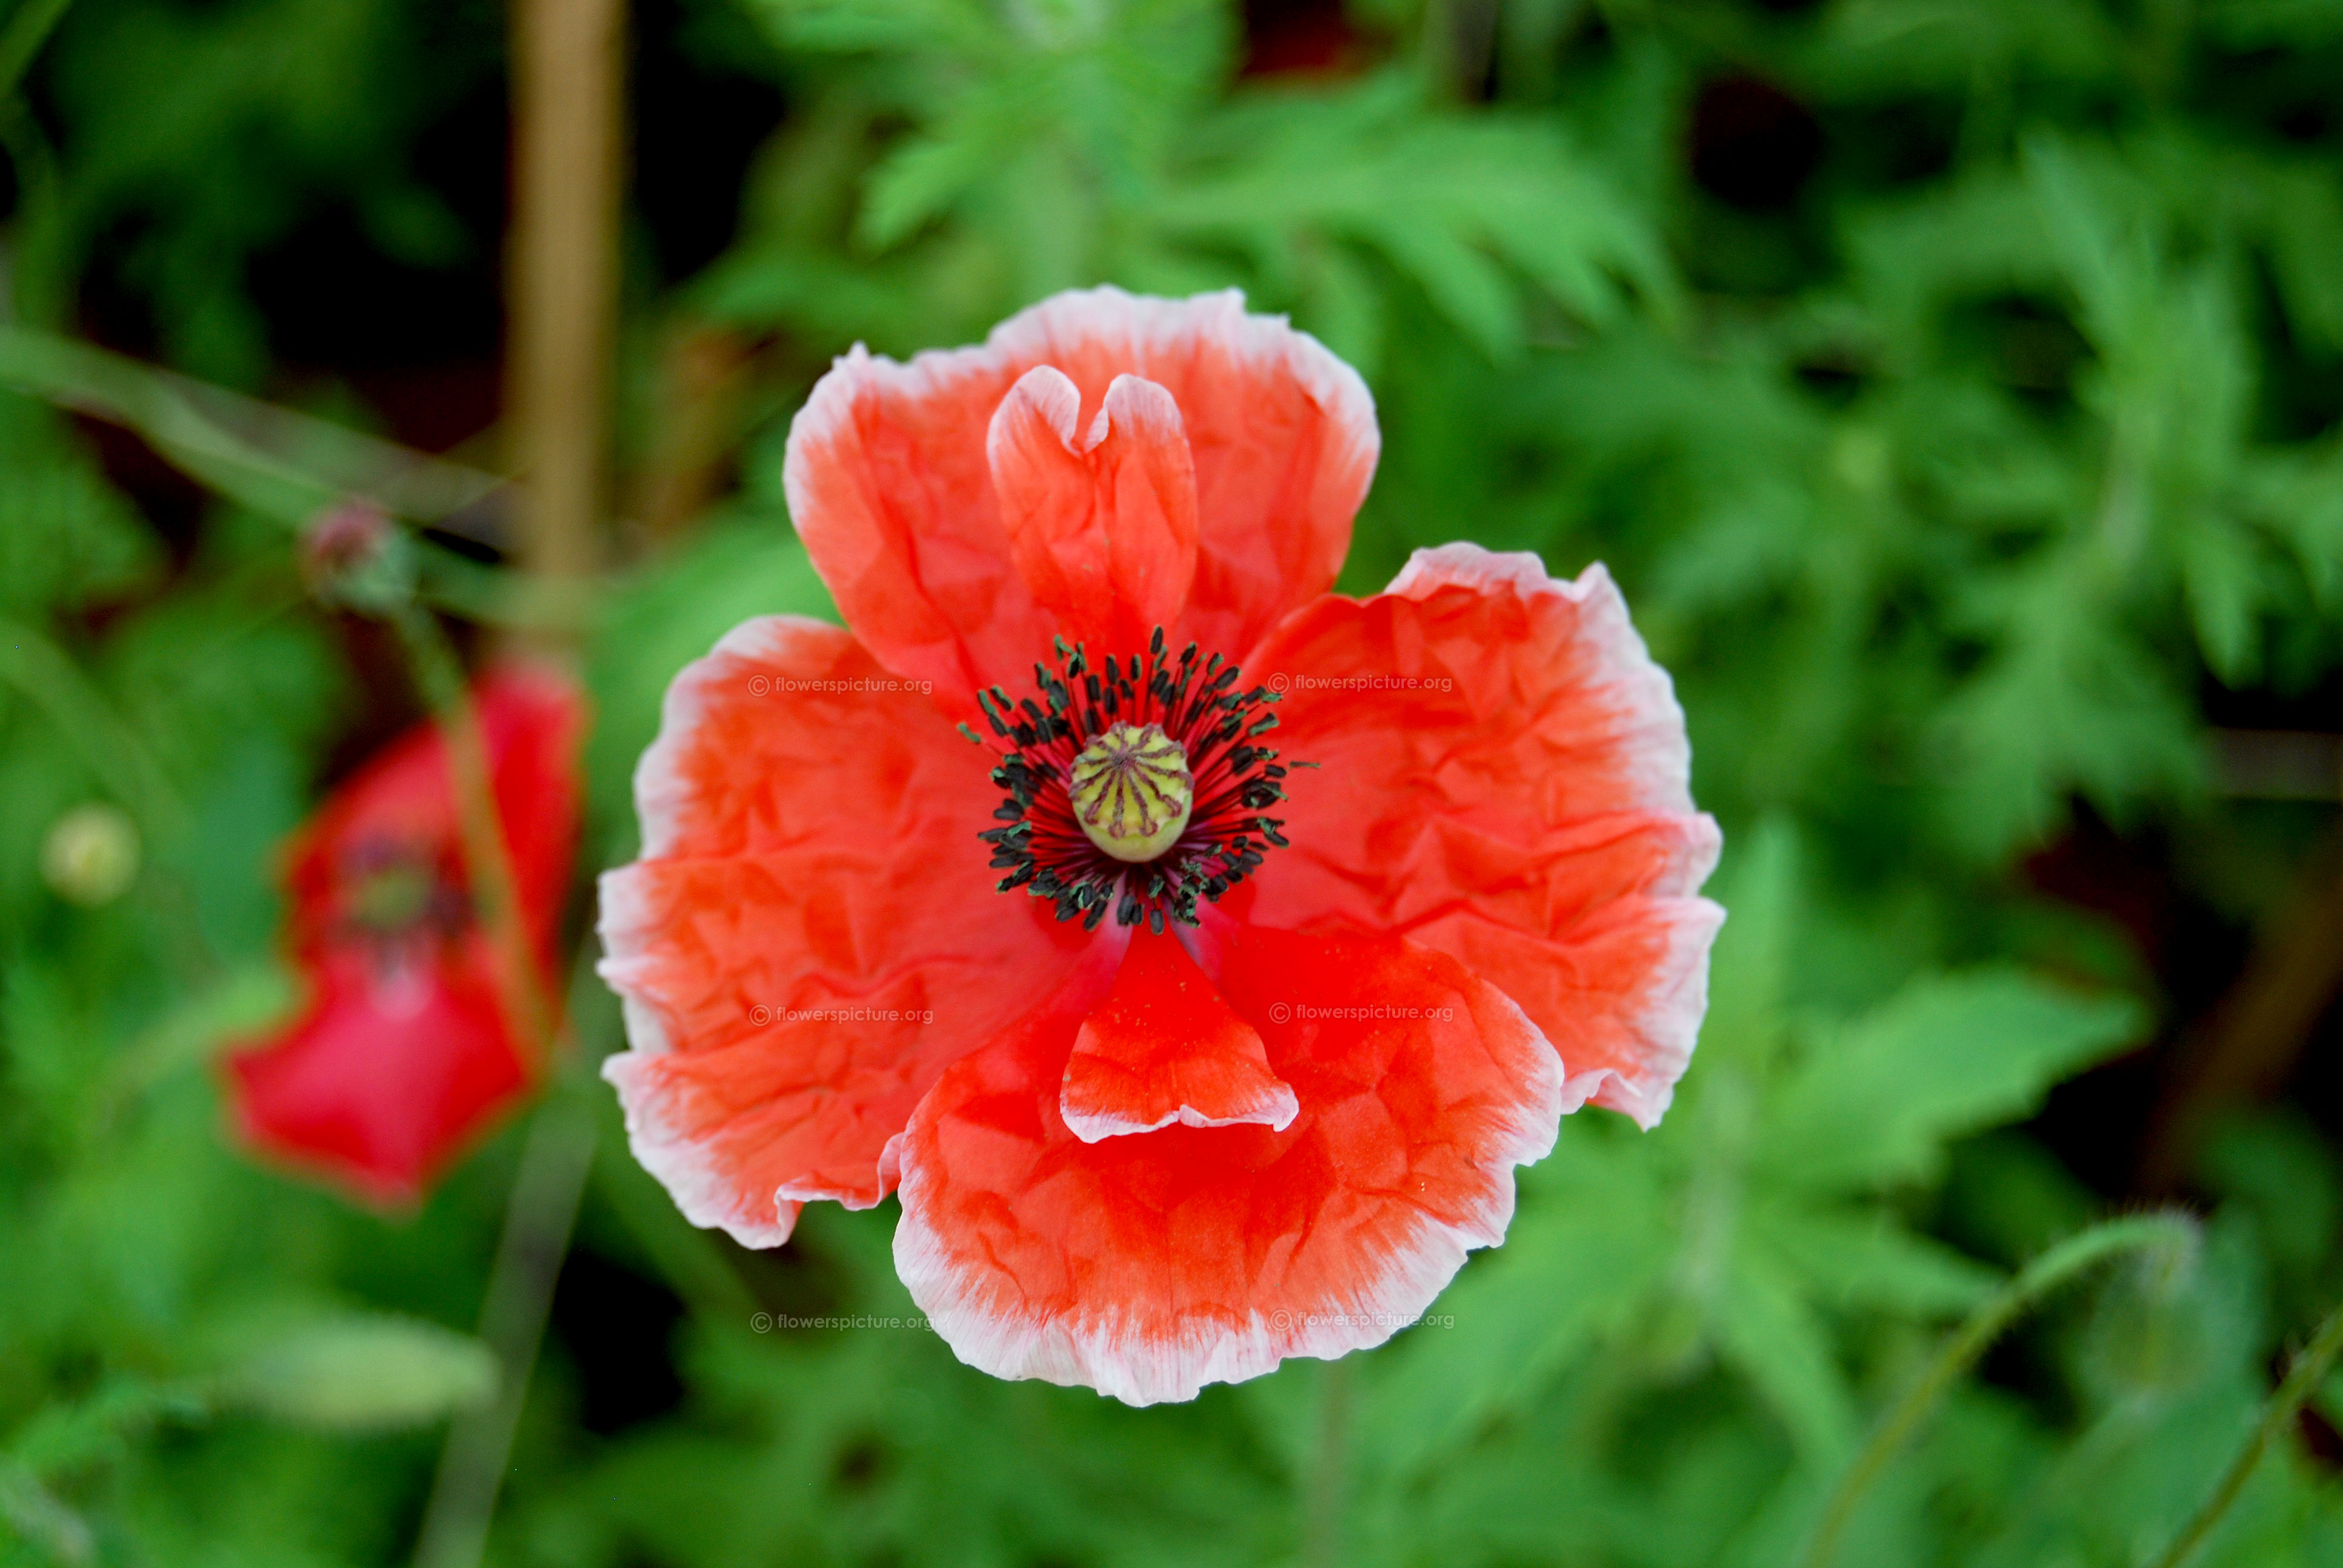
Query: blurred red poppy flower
[
  {"x": 1225, "y": 1076},
  {"x": 404, "y": 1051}
]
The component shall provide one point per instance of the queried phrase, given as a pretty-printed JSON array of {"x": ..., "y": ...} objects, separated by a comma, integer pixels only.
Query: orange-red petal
[
  {"x": 892, "y": 487},
  {"x": 812, "y": 935},
  {"x": 1504, "y": 777},
  {"x": 1101, "y": 526},
  {"x": 1148, "y": 1266},
  {"x": 1164, "y": 1047}
]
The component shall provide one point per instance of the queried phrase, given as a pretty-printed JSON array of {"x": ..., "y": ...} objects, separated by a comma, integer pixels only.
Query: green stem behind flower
[
  {"x": 2309, "y": 1371},
  {"x": 279, "y": 462},
  {"x": 487, "y": 859},
  {"x": 1330, "y": 1464},
  {"x": 2058, "y": 1267},
  {"x": 538, "y": 1219},
  {"x": 275, "y": 462}
]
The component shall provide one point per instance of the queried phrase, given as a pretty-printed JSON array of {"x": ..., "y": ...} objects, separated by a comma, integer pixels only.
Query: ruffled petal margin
[
  {"x": 890, "y": 487},
  {"x": 1504, "y": 777},
  {"x": 812, "y": 935},
  {"x": 1147, "y": 1266}
]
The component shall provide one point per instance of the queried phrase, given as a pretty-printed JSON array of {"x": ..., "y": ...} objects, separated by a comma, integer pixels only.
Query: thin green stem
[
  {"x": 2055, "y": 1269},
  {"x": 538, "y": 1219},
  {"x": 555, "y": 1165},
  {"x": 487, "y": 859},
  {"x": 1330, "y": 1465},
  {"x": 279, "y": 462},
  {"x": 2309, "y": 1371}
]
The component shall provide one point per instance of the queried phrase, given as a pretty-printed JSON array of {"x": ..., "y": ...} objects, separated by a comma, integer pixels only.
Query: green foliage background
[{"x": 1960, "y": 485}]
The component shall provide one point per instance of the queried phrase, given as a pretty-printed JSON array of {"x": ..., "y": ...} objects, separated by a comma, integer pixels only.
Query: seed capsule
[{"x": 1133, "y": 791}]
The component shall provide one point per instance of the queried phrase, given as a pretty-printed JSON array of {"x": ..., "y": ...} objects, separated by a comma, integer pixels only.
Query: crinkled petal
[
  {"x": 1102, "y": 526},
  {"x": 1504, "y": 777},
  {"x": 812, "y": 934},
  {"x": 1148, "y": 1266},
  {"x": 1164, "y": 1047},
  {"x": 890, "y": 484}
]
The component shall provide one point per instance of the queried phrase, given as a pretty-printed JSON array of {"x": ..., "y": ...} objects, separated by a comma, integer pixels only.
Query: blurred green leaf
[{"x": 1950, "y": 1055}]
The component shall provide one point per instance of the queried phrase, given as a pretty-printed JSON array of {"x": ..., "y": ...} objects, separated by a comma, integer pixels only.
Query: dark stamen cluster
[
  {"x": 1041, "y": 844},
  {"x": 388, "y": 890}
]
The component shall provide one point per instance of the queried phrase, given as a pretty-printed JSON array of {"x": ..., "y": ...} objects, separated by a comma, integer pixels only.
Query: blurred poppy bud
[
  {"x": 354, "y": 556},
  {"x": 90, "y": 855},
  {"x": 2159, "y": 1327}
]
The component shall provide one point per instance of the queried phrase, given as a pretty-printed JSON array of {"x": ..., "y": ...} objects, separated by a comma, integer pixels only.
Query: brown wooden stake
[
  {"x": 561, "y": 290},
  {"x": 561, "y": 280}
]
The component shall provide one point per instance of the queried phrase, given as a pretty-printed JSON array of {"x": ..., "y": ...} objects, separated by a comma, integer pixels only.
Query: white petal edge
[
  {"x": 1678, "y": 1000},
  {"x": 1642, "y": 688},
  {"x": 1671, "y": 1022},
  {"x": 1119, "y": 1362},
  {"x": 660, "y": 793},
  {"x": 1274, "y": 1110},
  {"x": 1087, "y": 314},
  {"x": 704, "y": 1195}
]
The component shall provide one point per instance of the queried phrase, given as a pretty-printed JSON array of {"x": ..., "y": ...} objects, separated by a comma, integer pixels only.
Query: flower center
[
  {"x": 1133, "y": 791},
  {"x": 391, "y": 890},
  {"x": 392, "y": 898},
  {"x": 1134, "y": 784}
]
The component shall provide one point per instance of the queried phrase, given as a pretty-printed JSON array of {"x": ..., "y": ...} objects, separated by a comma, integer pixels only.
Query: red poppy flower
[
  {"x": 404, "y": 1051},
  {"x": 1178, "y": 1076}
]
